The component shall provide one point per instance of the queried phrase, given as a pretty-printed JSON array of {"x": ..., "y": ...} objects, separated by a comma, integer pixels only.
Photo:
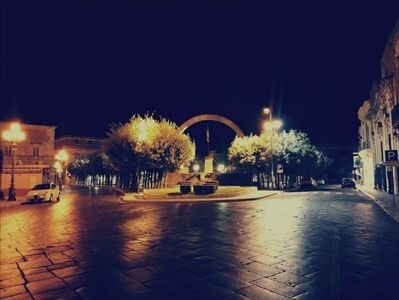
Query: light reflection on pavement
[{"x": 325, "y": 244}]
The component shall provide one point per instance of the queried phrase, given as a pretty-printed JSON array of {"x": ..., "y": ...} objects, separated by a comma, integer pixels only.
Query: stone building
[
  {"x": 77, "y": 146},
  {"x": 379, "y": 123},
  {"x": 34, "y": 157}
]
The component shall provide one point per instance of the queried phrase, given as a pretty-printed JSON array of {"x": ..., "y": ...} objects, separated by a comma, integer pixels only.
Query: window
[
  {"x": 36, "y": 151},
  {"x": 8, "y": 151}
]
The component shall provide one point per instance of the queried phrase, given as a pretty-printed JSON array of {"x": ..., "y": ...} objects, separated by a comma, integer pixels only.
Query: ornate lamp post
[
  {"x": 60, "y": 165},
  {"x": 271, "y": 125},
  {"x": 14, "y": 135}
]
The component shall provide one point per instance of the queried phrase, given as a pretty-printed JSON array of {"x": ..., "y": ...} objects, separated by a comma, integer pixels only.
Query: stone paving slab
[{"x": 298, "y": 246}]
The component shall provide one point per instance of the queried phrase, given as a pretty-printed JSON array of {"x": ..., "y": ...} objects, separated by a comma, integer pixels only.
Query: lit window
[{"x": 36, "y": 151}]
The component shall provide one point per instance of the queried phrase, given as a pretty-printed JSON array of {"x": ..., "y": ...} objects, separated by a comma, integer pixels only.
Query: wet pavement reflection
[{"x": 325, "y": 244}]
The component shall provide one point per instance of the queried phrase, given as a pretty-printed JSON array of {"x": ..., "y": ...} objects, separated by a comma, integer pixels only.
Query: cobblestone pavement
[{"x": 325, "y": 244}]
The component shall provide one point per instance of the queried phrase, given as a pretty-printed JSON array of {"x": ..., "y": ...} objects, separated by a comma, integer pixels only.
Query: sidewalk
[
  {"x": 387, "y": 202},
  {"x": 5, "y": 203}
]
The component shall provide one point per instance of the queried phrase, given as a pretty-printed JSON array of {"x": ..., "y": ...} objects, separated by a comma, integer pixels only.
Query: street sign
[
  {"x": 280, "y": 169},
  {"x": 391, "y": 155}
]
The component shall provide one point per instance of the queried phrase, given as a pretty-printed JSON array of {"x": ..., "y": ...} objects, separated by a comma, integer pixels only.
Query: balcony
[{"x": 364, "y": 146}]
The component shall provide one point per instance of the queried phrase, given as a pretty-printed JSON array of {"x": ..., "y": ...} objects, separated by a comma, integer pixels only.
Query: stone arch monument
[{"x": 210, "y": 117}]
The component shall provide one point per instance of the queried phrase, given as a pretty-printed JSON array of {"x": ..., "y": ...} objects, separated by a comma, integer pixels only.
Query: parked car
[
  {"x": 348, "y": 182},
  {"x": 44, "y": 192},
  {"x": 320, "y": 181},
  {"x": 308, "y": 182}
]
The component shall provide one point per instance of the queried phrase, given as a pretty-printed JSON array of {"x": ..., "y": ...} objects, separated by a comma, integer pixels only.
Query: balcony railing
[{"x": 364, "y": 146}]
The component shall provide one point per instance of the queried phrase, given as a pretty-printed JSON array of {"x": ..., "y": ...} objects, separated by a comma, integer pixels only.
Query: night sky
[{"x": 82, "y": 65}]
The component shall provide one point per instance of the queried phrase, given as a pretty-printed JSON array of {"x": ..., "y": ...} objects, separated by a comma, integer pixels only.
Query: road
[{"x": 330, "y": 243}]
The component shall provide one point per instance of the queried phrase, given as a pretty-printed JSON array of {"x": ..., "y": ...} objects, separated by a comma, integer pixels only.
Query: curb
[
  {"x": 381, "y": 205},
  {"x": 202, "y": 199}
]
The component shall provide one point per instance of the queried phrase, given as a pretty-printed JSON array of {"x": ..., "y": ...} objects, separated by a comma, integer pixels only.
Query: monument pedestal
[{"x": 208, "y": 164}]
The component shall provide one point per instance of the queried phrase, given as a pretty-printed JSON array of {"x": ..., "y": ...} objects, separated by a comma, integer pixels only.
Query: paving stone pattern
[{"x": 329, "y": 244}]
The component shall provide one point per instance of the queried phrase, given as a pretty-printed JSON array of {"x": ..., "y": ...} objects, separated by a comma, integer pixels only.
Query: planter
[
  {"x": 185, "y": 187},
  {"x": 205, "y": 188}
]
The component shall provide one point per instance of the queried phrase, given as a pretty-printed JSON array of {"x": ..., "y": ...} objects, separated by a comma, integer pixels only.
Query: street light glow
[
  {"x": 274, "y": 124},
  {"x": 60, "y": 165},
  {"x": 266, "y": 110},
  {"x": 57, "y": 166},
  {"x": 220, "y": 168},
  {"x": 62, "y": 155},
  {"x": 271, "y": 125},
  {"x": 196, "y": 168},
  {"x": 14, "y": 135},
  {"x": 277, "y": 124}
]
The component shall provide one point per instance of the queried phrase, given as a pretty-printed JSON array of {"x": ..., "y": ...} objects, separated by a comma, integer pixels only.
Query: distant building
[
  {"x": 77, "y": 146},
  {"x": 34, "y": 157}
]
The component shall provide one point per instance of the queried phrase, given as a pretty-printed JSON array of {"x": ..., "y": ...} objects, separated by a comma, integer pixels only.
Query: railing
[{"x": 363, "y": 146}]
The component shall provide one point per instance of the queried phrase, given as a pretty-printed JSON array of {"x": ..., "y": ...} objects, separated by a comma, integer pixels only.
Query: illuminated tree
[
  {"x": 244, "y": 152},
  {"x": 292, "y": 149},
  {"x": 299, "y": 156},
  {"x": 78, "y": 169},
  {"x": 143, "y": 149},
  {"x": 94, "y": 165}
]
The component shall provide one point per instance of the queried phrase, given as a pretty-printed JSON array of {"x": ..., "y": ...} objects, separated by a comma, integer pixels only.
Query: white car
[{"x": 44, "y": 192}]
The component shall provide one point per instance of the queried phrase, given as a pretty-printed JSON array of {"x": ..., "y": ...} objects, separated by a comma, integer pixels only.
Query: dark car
[{"x": 348, "y": 182}]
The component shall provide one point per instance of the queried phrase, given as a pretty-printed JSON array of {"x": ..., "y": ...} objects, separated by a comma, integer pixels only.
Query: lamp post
[
  {"x": 61, "y": 159},
  {"x": 271, "y": 125},
  {"x": 14, "y": 135}
]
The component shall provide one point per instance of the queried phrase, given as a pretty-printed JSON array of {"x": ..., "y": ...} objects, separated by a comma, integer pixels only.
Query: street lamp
[
  {"x": 60, "y": 164},
  {"x": 196, "y": 168},
  {"x": 271, "y": 125},
  {"x": 14, "y": 135}
]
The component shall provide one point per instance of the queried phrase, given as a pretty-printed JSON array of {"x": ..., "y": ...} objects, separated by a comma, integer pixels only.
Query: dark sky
[{"x": 82, "y": 65}]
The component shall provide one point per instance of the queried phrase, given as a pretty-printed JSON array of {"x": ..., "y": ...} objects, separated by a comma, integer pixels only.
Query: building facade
[
  {"x": 34, "y": 157},
  {"x": 379, "y": 124}
]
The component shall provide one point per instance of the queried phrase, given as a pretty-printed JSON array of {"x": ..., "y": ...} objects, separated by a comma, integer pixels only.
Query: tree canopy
[{"x": 291, "y": 148}]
